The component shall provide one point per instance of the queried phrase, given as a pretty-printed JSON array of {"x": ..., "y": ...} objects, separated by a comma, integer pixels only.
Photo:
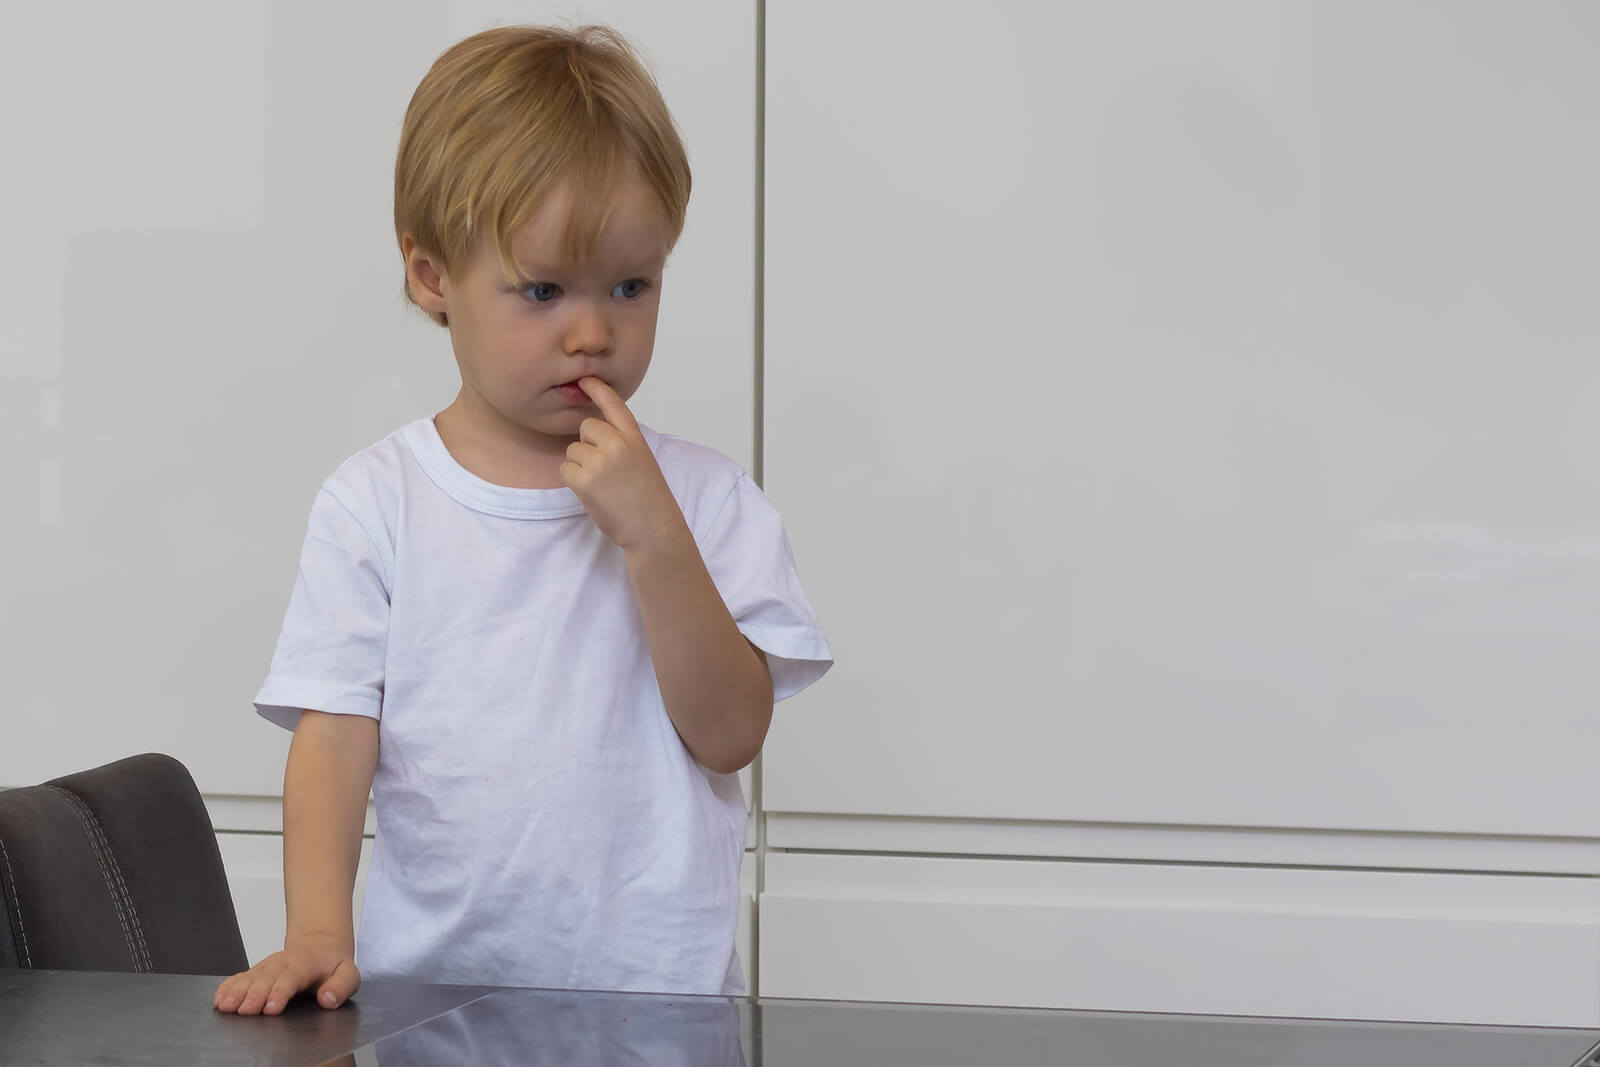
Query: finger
[
  {"x": 596, "y": 431},
  {"x": 260, "y": 984},
  {"x": 571, "y": 474},
  {"x": 340, "y": 986},
  {"x": 225, "y": 994},
  {"x": 610, "y": 404},
  {"x": 289, "y": 982},
  {"x": 581, "y": 453},
  {"x": 261, "y": 987},
  {"x": 234, "y": 990},
  {"x": 236, "y": 987}
]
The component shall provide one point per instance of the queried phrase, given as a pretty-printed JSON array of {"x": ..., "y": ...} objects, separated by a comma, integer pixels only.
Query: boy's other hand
[
  {"x": 616, "y": 477},
  {"x": 304, "y": 963}
]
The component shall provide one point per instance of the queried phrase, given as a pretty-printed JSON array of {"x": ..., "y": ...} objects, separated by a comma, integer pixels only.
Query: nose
[{"x": 587, "y": 331}]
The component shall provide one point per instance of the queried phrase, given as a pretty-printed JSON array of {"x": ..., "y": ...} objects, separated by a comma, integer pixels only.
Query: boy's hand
[
  {"x": 616, "y": 477},
  {"x": 267, "y": 988}
]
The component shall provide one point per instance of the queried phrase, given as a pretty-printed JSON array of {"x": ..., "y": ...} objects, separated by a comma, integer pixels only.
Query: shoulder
[
  {"x": 369, "y": 485},
  {"x": 700, "y": 476},
  {"x": 680, "y": 452},
  {"x": 371, "y": 471}
]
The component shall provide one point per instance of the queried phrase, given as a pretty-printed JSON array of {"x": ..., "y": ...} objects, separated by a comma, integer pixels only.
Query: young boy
[{"x": 545, "y": 636}]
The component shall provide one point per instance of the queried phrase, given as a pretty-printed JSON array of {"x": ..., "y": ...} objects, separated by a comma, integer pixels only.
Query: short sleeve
[
  {"x": 330, "y": 652},
  {"x": 747, "y": 552}
]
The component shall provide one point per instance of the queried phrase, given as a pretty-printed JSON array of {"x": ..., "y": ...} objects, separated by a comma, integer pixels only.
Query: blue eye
[
  {"x": 629, "y": 289},
  {"x": 541, "y": 292}
]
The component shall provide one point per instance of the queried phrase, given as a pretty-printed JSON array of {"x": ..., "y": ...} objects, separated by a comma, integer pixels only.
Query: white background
[
  {"x": 1223, "y": 385},
  {"x": 1182, "y": 415},
  {"x": 209, "y": 320}
]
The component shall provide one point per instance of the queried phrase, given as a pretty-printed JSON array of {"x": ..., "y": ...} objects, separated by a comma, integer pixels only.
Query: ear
[{"x": 425, "y": 276}]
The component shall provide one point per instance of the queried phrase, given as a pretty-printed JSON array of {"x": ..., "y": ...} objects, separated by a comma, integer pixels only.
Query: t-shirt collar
[{"x": 422, "y": 437}]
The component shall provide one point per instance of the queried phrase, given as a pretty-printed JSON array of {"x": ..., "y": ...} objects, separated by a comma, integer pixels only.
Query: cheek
[
  {"x": 636, "y": 344},
  {"x": 642, "y": 329},
  {"x": 495, "y": 346},
  {"x": 507, "y": 337}
]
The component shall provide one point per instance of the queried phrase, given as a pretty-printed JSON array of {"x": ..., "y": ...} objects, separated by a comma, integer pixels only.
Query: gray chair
[{"x": 115, "y": 869}]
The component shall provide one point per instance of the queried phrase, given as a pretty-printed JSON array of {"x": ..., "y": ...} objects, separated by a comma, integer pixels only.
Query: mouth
[{"x": 572, "y": 392}]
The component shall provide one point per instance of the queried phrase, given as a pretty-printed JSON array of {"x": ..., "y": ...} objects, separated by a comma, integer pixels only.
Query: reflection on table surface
[
  {"x": 540, "y": 1027},
  {"x": 578, "y": 1029}
]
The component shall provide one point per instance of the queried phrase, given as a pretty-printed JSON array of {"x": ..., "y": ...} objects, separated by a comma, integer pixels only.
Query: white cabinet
[
  {"x": 215, "y": 322},
  {"x": 1183, "y": 414},
  {"x": 1147, "y": 937},
  {"x": 1154, "y": 450}
]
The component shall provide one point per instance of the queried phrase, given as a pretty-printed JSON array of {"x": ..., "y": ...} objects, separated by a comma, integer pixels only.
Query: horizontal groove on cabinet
[
  {"x": 264, "y": 815},
  {"x": 1330, "y": 944},
  {"x": 1179, "y": 844},
  {"x": 261, "y": 815}
]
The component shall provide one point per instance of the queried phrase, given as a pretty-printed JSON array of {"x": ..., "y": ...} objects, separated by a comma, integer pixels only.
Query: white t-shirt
[{"x": 540, "y": 822}]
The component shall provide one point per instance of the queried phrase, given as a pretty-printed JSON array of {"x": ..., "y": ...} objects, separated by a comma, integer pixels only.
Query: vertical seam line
[
  {"x": 757, "y": 777},
  {"x": 11, "y": 881},
  {"x": 111, "y": 871}
]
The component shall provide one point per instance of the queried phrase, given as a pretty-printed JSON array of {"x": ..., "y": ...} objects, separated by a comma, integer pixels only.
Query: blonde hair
[{"x": 504, "y": 117}]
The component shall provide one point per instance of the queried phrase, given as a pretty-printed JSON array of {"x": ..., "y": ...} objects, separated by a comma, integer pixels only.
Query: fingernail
[
  {"x": 272, "y": 1005},
  {"x": 328, "y": 999}
]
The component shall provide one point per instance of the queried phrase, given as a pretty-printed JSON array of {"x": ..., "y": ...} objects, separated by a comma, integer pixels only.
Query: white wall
[
  {"x": 1183, "y": 413},
  {"x": 207, "y": 319},
  {"x": 214, "y": 322},
  {"x": 1212, "y": 410},
  {"x": 1180, "y": 413}
]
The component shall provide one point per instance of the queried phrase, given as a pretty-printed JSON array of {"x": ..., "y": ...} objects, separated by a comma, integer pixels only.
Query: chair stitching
[
  {"x": 127, "y": 897},
  {"x": 105, "y": 870},
  {"x": 116, "y": 870},
  {"x": 12, "y": 882}
]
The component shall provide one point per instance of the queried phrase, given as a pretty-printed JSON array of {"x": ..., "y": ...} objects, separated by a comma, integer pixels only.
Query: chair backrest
[{"x": 115, "y": 869}]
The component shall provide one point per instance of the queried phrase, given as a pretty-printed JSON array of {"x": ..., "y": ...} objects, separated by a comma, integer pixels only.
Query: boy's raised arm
[
  {"x": 715, "y": 684},
  {"x": 325, "y": 786}
]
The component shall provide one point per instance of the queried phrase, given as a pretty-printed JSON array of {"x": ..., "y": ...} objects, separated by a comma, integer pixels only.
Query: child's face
[{"x": 519, "y": 349}]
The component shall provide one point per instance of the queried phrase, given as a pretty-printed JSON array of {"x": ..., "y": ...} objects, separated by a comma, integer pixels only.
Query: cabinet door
[
  {"x": 1183, "y": 414},
  {"x": 1398, "y": 945},
  {"x": 207, "y": 321}
]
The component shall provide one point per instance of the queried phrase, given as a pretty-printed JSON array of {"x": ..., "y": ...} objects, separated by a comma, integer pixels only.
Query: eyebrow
[{"x": 649, "y": 264}]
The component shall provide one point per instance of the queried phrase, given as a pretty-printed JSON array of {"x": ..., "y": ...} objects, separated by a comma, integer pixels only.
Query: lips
[{"x": 572, "y": 392}]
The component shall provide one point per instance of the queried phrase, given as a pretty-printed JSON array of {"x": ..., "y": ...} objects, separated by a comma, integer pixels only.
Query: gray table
[{"x": 51, "y": 1017}]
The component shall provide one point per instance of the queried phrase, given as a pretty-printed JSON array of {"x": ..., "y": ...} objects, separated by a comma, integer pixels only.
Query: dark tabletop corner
[{"x": 53, "y": 1017}]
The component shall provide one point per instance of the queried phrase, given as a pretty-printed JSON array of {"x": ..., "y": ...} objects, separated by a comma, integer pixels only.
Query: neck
[{"x": 498, "y": 450}]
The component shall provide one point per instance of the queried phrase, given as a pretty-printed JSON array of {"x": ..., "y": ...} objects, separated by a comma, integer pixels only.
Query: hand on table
[{"x": 305, "y": 963}]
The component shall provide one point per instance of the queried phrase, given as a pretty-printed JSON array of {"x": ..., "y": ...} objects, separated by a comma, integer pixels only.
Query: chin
[
  {"x": 548, "y": 423},
  {"x": 559, "y": 424}
]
